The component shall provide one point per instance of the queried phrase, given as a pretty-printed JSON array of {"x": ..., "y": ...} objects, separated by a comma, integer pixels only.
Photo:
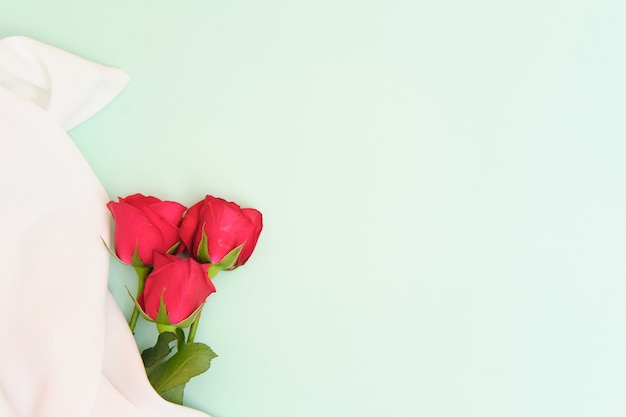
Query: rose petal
[
  {"x": 189, "y": 226},
  {"x": 184, "y": 284},
  {"x": 132, "y": 230},
  {"x": 170, "y": 211},
  {"x": 135, "y": 199}
]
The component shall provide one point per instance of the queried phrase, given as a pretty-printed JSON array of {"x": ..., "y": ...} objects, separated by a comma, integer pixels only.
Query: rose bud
[
  {"x": 144, "y": 225},
  {"x": 220, "y": 232},
  {"x": 182, "y": 285}
]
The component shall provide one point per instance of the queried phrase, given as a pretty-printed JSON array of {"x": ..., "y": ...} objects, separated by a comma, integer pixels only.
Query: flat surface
[{"x": 442, "y": 185}]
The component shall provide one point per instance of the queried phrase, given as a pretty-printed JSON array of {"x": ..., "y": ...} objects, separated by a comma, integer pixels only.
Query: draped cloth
[{"x": 66, "y": 348}]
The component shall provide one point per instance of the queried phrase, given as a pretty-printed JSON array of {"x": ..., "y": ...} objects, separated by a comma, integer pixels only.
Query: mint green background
[{"x": 442, "y": 184}]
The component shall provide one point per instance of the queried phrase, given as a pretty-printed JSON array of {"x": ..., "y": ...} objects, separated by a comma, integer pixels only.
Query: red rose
[
  {"x": 146, "y": 224},
  {"x": 225, "y": 226},
  {"x": 183, "y": 283}
]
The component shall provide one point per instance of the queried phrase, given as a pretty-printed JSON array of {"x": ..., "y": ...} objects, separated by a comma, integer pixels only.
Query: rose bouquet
[{"x": 176, "y": 252}]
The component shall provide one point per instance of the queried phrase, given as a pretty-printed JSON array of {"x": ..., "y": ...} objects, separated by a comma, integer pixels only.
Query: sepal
[
  {"x": 227, "y": 262},
  {"x": 174, "y": 248},
  {"x": 111, "y": 251},
  {"x": 162, "y": 320},
  {"x": 203, "y": 249},
  {"x": 136, "y": 260}
]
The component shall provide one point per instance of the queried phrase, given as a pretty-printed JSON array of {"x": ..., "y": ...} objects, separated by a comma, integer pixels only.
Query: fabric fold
[
  {"x": 67, "y": 350},
  {"x": 71, "y": 89}
]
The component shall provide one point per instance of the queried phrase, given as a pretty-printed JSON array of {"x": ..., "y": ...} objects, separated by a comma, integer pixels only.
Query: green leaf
[
  {"x": 191, "y": 360},
  {"x": 159, "y": 351},
  {"x": 174, "y": 395},
  {"x": 180, "y": 334},
  {"x": 231, "y": 257},
  {"x": 203, "y": 249}
]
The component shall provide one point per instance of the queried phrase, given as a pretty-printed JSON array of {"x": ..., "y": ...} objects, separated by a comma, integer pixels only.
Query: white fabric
[{"x": 66, "y": 348}]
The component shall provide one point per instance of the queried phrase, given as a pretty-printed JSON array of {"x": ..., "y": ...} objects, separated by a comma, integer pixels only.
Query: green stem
[
  {"x": 193, "y": 328},
  {"x": 142, "y": 273}
]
